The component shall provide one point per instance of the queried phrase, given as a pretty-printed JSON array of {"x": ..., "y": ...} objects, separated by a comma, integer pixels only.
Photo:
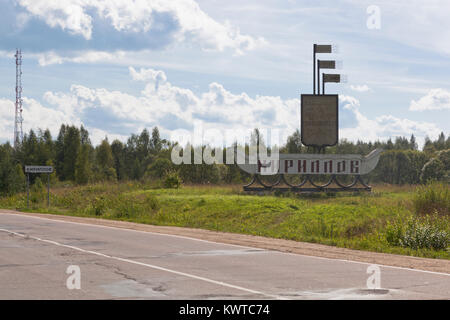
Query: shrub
[
  {"x": 433, "y": 197},
  {"x": 152, "y": 202},
  {"x": 417, "y": 233},
  {"x": 98, "y": 206},
  {"x": 126, "y": 208},
  {"x": 172, "y": 180},
  {"x": 159, "y": 168},
  {"x": 433, "y": 170},
  {"x": 438, "y": 168},
  {"x": 38, "y": 186},
  {"x": 37, "y": 191}
]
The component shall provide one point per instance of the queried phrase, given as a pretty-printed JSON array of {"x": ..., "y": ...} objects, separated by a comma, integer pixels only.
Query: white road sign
[{"x": 38, "y": 169}]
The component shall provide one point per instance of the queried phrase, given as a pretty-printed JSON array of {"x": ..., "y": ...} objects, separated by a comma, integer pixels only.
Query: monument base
[{"x": 307, "y": 185}]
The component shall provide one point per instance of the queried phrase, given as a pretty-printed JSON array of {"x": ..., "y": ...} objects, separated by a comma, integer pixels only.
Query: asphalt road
[{"x": 114, "y": 263}]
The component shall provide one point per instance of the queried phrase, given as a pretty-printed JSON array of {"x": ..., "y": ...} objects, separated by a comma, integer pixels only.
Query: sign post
[
  {"x": 48, "y": 190},
  {"x": 28, "y": 190},
  {"x": 38, "y": 169}
]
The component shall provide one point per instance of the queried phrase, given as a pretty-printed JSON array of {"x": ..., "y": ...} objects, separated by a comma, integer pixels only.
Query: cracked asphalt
[{"x": 128, "y": 264}]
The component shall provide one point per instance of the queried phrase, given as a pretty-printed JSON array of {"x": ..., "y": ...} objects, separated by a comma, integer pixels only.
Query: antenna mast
[{"x": 18, "y": 133}]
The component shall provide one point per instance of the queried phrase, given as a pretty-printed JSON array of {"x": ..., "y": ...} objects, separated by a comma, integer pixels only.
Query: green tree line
[{"x": 146, "y": 156}]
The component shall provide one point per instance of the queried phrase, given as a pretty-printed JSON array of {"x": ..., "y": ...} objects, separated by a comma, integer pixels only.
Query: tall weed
[{"x": 433, "y": 197}]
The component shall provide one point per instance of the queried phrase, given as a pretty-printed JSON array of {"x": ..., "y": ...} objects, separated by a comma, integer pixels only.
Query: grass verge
[{"x": 357, "y": 221}]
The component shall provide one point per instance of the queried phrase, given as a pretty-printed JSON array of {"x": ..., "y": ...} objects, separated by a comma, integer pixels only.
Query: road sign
[
  {"x": 38, "y": 169},
  {"x": 319, "y": 120}
]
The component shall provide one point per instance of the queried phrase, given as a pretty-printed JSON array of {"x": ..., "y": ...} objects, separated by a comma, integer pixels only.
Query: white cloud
[
  {"x": 35, "y": 116},
  {"x": 49, "y": 58},
  {"x": 435, "y": 99},
  {"x": 6, "y": 119},
  {"x": 351, "y": 101},
  {"x": 138, "y": 16},
  {"x": 39, "y": 116},
  {"x": 97, "y": 135},
  {"x": 148, "y": 74},
  {"x": 360, "y": 88},
  {"x": 416, "y": 23},
  {"x": 67, "y": 14},
  {"x": 385, "y": 126}
]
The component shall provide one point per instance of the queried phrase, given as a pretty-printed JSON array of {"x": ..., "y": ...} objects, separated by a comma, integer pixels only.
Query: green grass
[
  {"x": 432, "y": 198},
  {"x": 354, "y": 221}
]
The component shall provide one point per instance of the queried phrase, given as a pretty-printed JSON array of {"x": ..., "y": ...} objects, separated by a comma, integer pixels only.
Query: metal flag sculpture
[{"x": 319, "y": 129}]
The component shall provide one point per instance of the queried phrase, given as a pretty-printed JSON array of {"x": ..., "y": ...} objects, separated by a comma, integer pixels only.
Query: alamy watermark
[
  {"x": 242, "y": 147},
  {"x": 374, "y": 20},
  {"x": 374, "y": 280},
  {"x": 74, "y": 280}
]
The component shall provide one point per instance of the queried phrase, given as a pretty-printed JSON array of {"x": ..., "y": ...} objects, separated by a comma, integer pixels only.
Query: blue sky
[{"x": 120, "y": 66}]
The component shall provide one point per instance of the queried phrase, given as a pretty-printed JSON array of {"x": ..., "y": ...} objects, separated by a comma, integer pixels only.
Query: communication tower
[{"x": 18, "y": 133}]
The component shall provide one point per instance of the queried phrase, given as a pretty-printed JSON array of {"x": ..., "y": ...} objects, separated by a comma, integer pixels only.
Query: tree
[
  {"x": 12, "y": 178},
  {"x": 72, "y": 143},
  {"x": 412, "y": 142},
  {"x": 389, "y": 145},
  {"x": 118, "y": 153},
  {"x": 82, "y": 166},
  {"x": 438, "y": 168},
  {"x": 105, "y": 161},
  {"x": 53, "y": 177},
  {"x": 104, "y": 155},
  {"x": 294, "y": 143},
  {"x": 18, "y": 179},
  {"x": 145, "y": 155},
  {"x": 29, "y": 149},
  {"x": 440, "y": 143},
  {"x": 432, "y": 170},
  {"x": 401, "y": 143},
  {"x": 402, "y": 167},
  {"x": 84, "y": 136},
  {"x": 159, "y": 168},
  {"x": 156, "y": 143},
  {"x": 143, "y": 145}
]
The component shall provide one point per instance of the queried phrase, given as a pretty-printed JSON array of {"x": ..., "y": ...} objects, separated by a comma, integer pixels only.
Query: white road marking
[
  {"x": 126, "y": 229},
  {"x": 220, "y": 283},
  {"x": 228, "y": 244}
]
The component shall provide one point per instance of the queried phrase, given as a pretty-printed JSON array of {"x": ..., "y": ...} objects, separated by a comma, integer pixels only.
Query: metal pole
[
  {"x": 28, "y": 190},
  {"x": 48, "y": 190},
  {"x": 318, "y": 77},
  {"x": 323, "y": 85},
  {"x": 314, "y": 69}
]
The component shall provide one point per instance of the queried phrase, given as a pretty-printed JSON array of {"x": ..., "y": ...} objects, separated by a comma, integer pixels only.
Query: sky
[{"x": 117, "y": 67}]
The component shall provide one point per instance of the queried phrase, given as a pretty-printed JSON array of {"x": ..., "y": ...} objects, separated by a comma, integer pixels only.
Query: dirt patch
[{"x": 303, "y": 248}]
